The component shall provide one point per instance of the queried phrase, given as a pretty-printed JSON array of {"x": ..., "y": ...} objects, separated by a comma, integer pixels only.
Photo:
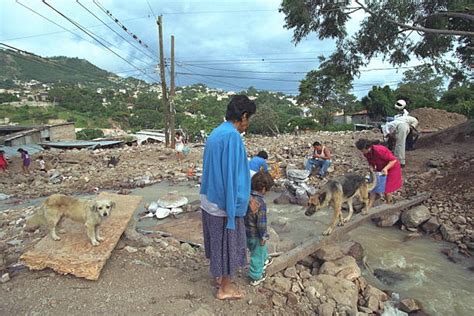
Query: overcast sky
[{"x": 215, "y": 41}]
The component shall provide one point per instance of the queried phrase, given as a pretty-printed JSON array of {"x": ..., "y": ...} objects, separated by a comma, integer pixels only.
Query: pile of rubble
[{"x": 329, "y": 282}]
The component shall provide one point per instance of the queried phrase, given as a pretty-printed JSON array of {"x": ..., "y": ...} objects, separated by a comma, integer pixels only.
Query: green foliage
[
  {"x": 6, "y": 97},
  {"x": 421, "y": 87},
  {"x": 379, "y": 102},
  {"x": 386, "y": 28},
  {"x": 325, "y": 116},
  {"x": 460, "y": 100},
  {"x": 7, "y": 84},
  {"x": 88, "y": 134}
]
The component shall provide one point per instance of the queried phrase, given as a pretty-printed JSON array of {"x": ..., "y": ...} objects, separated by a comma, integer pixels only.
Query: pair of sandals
[{"x": 268, "y": 262}]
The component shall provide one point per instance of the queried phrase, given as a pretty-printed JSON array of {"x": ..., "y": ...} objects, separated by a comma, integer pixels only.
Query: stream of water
[{"x": 444, "y": 288}]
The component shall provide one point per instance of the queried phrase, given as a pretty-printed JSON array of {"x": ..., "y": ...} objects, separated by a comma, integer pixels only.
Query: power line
[
  {"x": 94, "y": 37},
  {"x": 237, "y": 77},
  {"x": 122, "y": 26},
  {"x": 133, "y": 45}
]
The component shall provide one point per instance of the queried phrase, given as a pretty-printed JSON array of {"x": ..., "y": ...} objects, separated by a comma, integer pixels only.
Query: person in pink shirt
[{"x": 382, "y": 160}]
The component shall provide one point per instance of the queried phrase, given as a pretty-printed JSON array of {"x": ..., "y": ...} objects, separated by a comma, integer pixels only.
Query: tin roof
[
  {"x": 82, "y": 144},
  {"x": 12, "y": 151}
]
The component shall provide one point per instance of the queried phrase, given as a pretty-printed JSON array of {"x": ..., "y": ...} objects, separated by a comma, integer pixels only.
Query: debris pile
[{"x": 436, "y": 119}]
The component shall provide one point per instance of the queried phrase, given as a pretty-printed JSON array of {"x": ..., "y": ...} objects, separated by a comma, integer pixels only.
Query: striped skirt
[{"x": 225, "y": 248}]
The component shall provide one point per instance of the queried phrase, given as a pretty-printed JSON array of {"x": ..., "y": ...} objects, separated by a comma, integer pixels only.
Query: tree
[
  {"x": 328, "y": 86},
  {"x": 393, "y": 29},
  {"x": 421, "y": 87},
  {"x": 325, "y": 116},
  {"x": 379, "y": 102},
  {"x": 460, "y": 100}
]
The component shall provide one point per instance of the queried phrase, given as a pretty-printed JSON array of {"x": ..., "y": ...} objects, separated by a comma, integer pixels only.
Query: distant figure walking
[
  {"x": 179, "y": 145},
  {"x": 42, "y": 164},
  {"x": 25, "y": 157}
]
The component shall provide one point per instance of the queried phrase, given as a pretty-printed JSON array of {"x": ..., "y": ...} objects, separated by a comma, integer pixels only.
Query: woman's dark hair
[
  {"x": 316, "y": 144},
  {"x": 262, "y": 180},
  {"x": 238, "y": 106},
  {"x": 20, "y": 150},
  {"x": 178, "y": 133},
  {"x": 263, "y": 154},
  {"x": 365, "y": 143}
]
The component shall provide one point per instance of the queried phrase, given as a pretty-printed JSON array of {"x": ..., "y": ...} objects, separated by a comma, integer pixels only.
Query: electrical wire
[{"x": 93, "y": 36}]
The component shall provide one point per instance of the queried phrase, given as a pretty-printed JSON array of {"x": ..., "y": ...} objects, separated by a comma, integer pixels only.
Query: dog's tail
[
  {"x": 35, "y": 221},
  {"x": 372, "y": 181}
]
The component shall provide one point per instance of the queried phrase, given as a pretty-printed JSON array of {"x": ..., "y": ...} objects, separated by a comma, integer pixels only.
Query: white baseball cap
[{"x": 400, "y": 104}]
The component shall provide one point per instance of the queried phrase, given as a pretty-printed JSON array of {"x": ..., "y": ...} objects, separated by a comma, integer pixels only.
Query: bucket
[{"x": 381, "y": 181}]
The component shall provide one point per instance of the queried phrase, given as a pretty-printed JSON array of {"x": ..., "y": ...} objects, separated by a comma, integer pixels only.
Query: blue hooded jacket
[{"x": 226, "y": 176}]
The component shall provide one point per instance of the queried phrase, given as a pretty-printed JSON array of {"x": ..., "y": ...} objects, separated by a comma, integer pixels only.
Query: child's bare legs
[
  {"x": 388, "y": 198},
  {"x": 227, "y": 290}
]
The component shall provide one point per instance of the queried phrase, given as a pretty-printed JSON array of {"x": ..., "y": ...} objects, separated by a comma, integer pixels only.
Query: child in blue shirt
[
  {"x": 258, "y": 162},
  {"x": 256, "y": 229}
]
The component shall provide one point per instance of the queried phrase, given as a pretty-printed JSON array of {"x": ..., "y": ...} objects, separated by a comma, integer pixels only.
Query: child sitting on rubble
[
  {"x": 258, "y": 162},
  {"x": 256, "y": 229}
]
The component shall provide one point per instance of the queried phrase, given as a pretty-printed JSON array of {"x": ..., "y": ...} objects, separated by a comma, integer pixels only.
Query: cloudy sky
[{"x": 228, "y": 44}]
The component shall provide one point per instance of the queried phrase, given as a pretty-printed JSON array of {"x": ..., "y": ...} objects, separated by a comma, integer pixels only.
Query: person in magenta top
[{"x": 382, "y": 160}]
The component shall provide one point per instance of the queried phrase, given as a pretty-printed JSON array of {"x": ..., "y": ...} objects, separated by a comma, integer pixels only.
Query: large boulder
[
  {"x": 409, "y": 305},
  {"x": 415, "y": 216},
  {"x": 374, "y": 298},
  {"x": 389, "y": 277},
  {"x": 297, "y": 175},
  {"x": 386, "y": 220},
  {"x": 343, "y": 292},
  {"x": 450, "y": 233},
  {"x": 329, "y": 253},
  {"x": 431, "y": 226},
  {"x": 345, "y": 267}
]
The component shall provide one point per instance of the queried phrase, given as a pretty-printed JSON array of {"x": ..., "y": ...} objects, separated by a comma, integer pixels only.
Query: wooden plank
[
  {"x": 74, "y": 254},
  {"x": 310, "y": 246}
]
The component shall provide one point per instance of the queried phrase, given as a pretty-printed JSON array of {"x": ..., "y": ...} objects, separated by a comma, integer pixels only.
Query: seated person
[
  {"x": 321, "y": 158},
  {"x": 257, "y": 162}
]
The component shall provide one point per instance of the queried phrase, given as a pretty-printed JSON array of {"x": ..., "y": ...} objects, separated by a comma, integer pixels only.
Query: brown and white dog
[
  {"x": 337, "y": 191},
  {"x": 57, "y": 206}
]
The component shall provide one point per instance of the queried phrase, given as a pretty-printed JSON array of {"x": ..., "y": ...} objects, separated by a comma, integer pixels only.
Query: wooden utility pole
[
  {"x": 164, "y": 91},
  {"x": 171, "y": 98}
]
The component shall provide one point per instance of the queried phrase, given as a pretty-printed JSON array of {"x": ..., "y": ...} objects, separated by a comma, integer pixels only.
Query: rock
[
  {"x": 353, "y": 249},
  {"x": 135, "y": 238},
  {"x": 449, "y": 233},
  {"x": 307, "y": 261},
  {"x": 415, "y": 216},
  {"x": 291, "y": 273},
  {"x": 329, "y": 253},
  {"x": 172, "y": 200},
  {"x": 412, "y": 236},
  {"x": 409, "y": 305},
  {"x": 292, "y": 299},
  {"x": 284, "y": 198},
  {"x": 187, "y": 248},
  {"x": 4, "y": 196},
  {"x": 326, "y": 309},
  {"x": 343, "y": 292},
  {"x": 297, "y": 175},
  {"x": 278, "y": 299},
  {"x": 460, "y": 220},
  {"x": 386, "y": 220},
  {"x": 152, "y": 251},
  {"x": 281, "y": 285},
  {"x": 345, "y": 267},
  {"x": 374, "y": 298},
  {"x": 130, "y": 249},
  {"x": 14, "y": 242},
  {"x": 305, "y": 274},
  {"x": 5, "y": 278},
  {"x": 389, "y": 277},
  {"x": 433, "y": 163},
  {"x": 431, "y": 226}
]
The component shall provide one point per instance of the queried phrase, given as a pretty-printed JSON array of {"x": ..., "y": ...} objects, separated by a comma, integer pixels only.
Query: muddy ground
[{"x": 173, "y": 279}]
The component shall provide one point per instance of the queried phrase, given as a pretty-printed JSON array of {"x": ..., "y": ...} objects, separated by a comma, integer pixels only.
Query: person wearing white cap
[
  {"x": 401, "y": 105},
  {"x": 399, "y": 129}
]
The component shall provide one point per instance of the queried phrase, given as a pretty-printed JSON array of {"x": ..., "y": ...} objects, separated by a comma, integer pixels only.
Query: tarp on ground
[
  {"x": 82, "y": 144},
  {"x": 12, "y": 151}
]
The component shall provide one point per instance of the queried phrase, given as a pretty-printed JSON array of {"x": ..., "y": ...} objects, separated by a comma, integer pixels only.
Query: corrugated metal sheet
[
  {"x": 13, "y": 150},
  {"x": 82, "y": 144}
]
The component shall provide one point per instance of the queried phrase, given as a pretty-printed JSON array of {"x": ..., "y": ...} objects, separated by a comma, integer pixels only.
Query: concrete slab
[
  {"x": 74, "y": 254},
  {"x": 186, "y": 228}
]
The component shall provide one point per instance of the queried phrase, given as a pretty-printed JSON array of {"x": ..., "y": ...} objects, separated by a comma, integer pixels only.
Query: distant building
[{"x": 22, "y": 135}]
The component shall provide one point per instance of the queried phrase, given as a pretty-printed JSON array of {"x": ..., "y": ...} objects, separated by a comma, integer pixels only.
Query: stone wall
[{"x": 62, "y": 132}]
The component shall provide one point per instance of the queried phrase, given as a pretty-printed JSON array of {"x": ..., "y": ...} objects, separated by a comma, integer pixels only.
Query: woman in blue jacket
[{"x": 225, "y": 194}]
